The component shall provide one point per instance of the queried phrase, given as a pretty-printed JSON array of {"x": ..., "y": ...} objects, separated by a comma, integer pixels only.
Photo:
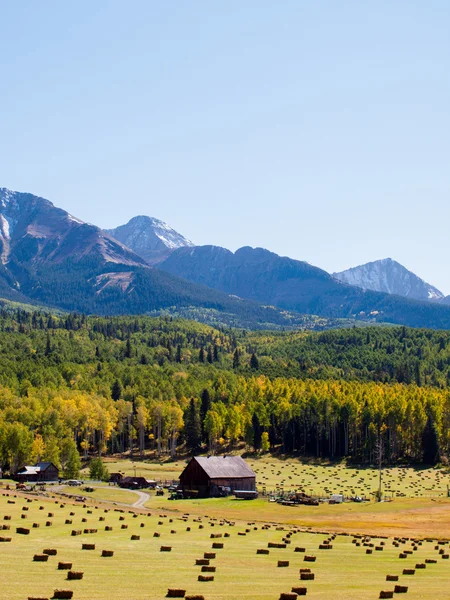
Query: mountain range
[{"x": 50, "y": 257}]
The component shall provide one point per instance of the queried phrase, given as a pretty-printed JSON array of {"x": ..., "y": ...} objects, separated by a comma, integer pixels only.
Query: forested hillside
[{"x": 74, "y": 384}]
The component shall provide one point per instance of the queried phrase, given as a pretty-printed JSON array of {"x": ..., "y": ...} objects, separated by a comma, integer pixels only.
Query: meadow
[
  {"x": 344, "y": 565},
  {"x": 414, "y": 525}
]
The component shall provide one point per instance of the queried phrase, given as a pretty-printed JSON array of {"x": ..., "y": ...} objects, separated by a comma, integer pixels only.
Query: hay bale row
[{"x": 5, "y": 539}]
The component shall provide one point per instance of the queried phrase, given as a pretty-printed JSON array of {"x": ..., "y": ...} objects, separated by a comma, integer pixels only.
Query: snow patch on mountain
[{"x": 391, "y": 277}]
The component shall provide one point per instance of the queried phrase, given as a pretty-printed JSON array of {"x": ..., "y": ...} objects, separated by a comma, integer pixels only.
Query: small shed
[
  {"x": 133, "y": 483},
  {"x": 41, "y": 471},
  {"x": 209, "y": 476}
]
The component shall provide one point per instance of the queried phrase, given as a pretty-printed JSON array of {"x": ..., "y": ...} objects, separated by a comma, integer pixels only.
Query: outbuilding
[
  {"x": 212, "y": 476},
  {"x": 41, "y": 471}
]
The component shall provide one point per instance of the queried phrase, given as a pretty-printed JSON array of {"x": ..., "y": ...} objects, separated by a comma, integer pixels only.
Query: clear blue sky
[{"x": 317, "y": 129}]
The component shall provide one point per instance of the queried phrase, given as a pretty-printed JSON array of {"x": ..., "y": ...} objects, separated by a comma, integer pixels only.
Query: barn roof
[
  {"x": 224, "y": 466},
  {"x": 42, "y": 466}
]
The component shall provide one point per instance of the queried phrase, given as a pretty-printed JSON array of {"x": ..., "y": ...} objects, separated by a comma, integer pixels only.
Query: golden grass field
[{"x": 139, "y": 570}]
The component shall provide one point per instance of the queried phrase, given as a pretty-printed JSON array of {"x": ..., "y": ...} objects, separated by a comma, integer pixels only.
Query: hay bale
[
  {"x": 409, "y": 571},
  {"x": 5, "y": 539},
  {"x": 107, "y": 553},
  {"x": 262, "y": 551},
  {"x": 88, "y": 546},
  {"x": 206, "y": 578},
  {"x": 209, "y": 555},
  {"x": 175, "y": 593},
  {"x": 50, "y": 551},
  {"x": 391, "y": 577},
  {"x": 123, "y": 526},
  {"x": 288, "y": 596},
  {"x": 217, "y": 545},
  {"x": 165, "y": 549},
  {"x": 307, "y": 576},
  {"x": 400, "y": 589},
  {"x": 76, "y": 532},
  {"x": 309, "y": 558},
  {"x": 430, "y": 561},
  {"x": 62, "y": 594},
  {"x": 156, "y": 534},
  {"x": 421, "y": 566},
  {"x": 40, "y": 558},
  {"x": 68, "y": 522},
  {"x": 22, "y": 531},
  {"x": 71, "y": 575},
  {"x": 202, "y": 561},
  {"x": 208, "y": 569},
  {"x": 300, "y": 591},
  {"x": 283, "y": 563},
  {"x": 386, "y": 594},
  {"x": 299, "y": 549},
  {"x": 108, "y": 528},
  {"x": 135, "y": 537},
  {"x": 64, "y": 566},
  {"x": 48, "y": 523},
  {"x": 194, "y": 597}
]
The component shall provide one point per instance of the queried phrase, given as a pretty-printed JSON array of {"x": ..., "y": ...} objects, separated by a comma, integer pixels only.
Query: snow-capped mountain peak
[
  {"x": 149, "y": 237},
  {"x": 387, "y": 275}
]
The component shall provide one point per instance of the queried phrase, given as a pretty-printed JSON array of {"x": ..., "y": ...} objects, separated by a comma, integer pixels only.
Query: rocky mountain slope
[
  {"x": 391, "y": 277},
  {"x": 265, "y": 277},
  {"x": 150, "y": 238},
  {"x": 50, "y": 257}
]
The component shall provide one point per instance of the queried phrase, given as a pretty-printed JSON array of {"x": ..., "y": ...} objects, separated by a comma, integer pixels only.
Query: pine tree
[
  {"x": 116, "y": 390},
  {"x": 193, "y": 427},
  {"x": 209, "y": 356},
  {"x": 256, "y": 432},
  {"x": 254, "y": 363},
  {"x": 236, "y": 359},
  {"x": 128, "y": 349},
  {"x": 216, "y": 353},
  {"x": 201, "y": 355},
  {"x": 205, "y": 406},
  {"x": 178, "y": 355},
  {"x": 430, "y": 443}
]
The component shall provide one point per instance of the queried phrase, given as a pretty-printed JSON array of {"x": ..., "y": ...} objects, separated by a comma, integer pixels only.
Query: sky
[{"x": 317, "y": 129}]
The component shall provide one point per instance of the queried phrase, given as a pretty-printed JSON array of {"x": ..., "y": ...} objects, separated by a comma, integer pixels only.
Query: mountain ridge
[{"x": 389, "y": 276}]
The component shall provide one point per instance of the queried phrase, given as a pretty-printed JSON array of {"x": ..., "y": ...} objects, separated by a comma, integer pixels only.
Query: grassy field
[
  {"x": 318, "y": 479},
  {"x": 139, "y": 570}
]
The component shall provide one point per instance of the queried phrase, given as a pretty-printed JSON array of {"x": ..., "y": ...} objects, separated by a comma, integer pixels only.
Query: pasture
[
  {"x": 140, "y": 569},
  {"x": 317, "y": 478}
]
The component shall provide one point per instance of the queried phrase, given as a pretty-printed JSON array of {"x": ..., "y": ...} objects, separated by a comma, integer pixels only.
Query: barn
[
  {"x": 42, "y": 471},
  {"x": 205, "y": 477}
]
